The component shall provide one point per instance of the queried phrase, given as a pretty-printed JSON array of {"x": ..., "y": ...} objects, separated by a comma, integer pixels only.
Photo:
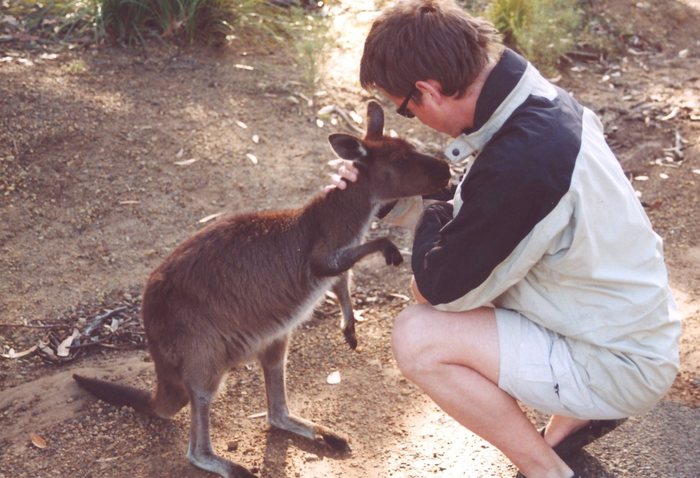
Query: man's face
[{"x": 435, "y": 110}]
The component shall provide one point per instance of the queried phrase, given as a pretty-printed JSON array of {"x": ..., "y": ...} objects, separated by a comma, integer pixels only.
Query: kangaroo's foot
[
  {"x": 207, "y": 460},
  {"x": 311, "y": 430},
  {"x": 349, "y": 334}
]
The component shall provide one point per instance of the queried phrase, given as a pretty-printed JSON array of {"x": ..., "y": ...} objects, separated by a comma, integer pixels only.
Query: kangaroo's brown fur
[{"x": 236, "y": 289}]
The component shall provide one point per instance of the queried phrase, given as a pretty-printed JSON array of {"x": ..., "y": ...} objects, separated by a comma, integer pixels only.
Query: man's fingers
[
  {"x": 336, "y": 163},
  {"x": 348, "y": 173},
  {"x": 338, "y": 181}
]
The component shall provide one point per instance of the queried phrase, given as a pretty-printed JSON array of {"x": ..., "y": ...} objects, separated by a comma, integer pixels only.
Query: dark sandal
[
  {"x": 520, "y": 475},
  {"x": 584, "y": 436}
]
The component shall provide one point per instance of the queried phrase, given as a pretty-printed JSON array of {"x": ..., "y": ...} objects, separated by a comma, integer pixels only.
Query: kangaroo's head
[{"x": 391, "y": 166}]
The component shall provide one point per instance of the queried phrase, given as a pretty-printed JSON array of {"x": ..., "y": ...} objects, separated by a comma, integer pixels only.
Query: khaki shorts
[{"x": 536, "y": 368}]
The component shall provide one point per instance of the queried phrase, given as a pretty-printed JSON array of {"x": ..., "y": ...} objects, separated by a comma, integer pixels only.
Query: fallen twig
[
  {"x": 344, "y": 115},
  {"x": 99, "y": 320},
  {"x": 34, "y": 326}
]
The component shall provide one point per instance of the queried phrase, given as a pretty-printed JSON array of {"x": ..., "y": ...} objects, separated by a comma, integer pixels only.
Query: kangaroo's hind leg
[
  {"x": 273, "y": 360},
  {"x": 200, "y": 452}
]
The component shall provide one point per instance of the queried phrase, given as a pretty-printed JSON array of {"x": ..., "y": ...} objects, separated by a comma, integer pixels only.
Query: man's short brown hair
[{"x": 426, "y": 39}]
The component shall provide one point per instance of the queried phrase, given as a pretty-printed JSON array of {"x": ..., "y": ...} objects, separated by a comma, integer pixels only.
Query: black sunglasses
[{"x": 403, "y": 108}]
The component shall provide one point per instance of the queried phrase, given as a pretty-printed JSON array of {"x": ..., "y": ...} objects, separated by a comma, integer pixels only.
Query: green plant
[
  {"x": 133, "y": 21},
  {"x": 130, "y": 21},
  {"x": 542, "y": 30},
  {"x": 295, "y": 29},
  {"x": 80, "y": 18},
  {"x": 76, "y": 66},
  {"x": 311, "y": 43}
]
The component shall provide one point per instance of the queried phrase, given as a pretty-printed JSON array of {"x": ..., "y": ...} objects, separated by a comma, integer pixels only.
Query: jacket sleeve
[
  {"x": 427, "y": 235},
  {"x": 500, "y": 211}
]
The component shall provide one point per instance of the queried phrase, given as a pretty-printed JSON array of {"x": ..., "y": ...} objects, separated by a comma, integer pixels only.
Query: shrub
[
  {"x": 182, "y": 21},
  {"x": 542, "y": 30}
]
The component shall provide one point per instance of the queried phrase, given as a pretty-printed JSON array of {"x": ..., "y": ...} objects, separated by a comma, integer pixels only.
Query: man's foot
[
  {"x": 560, "y": 427},
  {"x": 520, "y": 475},
  {"x": 581, "y": 435}
]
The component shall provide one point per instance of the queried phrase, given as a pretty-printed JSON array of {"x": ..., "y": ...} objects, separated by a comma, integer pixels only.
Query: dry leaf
[
  {"x": 241, "y": 124},
  {"x": 325, "y": 111},
  {"x": 107, "y": 460},
  {"x": 44, "y": 347},
  {"x": 37, "y": 441},
  {"x": 671, "y": 115},
  {"x": 185, "y": 162},
  {"x": 309, "y": 101},
  {"x": 115, "y": 324},
  {"x": 63, "y": 349},
  {"x": 210, "y": 217},
  {"x": 356, "y": 117},
  {"x": 359, "y": 317},
  {"x": 258, "y": 415},
  {"x": 179, "y": 154},
  {"x": 252, "y": 157},
  {"x": 11, "y": 354},
  {"x": 333, "y": 378}
]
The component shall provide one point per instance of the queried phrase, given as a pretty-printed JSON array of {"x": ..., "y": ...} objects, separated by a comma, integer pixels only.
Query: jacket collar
[{"x": 508, "y": 85}]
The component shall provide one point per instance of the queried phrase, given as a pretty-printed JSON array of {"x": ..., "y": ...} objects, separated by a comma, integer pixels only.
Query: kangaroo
[{"x": 236, "y": 289}]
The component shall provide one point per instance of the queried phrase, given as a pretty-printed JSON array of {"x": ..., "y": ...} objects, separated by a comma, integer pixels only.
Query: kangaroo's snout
[{"x": 440, "y": 172}]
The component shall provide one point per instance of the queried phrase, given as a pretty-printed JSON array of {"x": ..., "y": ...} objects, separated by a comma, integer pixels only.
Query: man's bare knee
[{"x": 407, "y": 339}]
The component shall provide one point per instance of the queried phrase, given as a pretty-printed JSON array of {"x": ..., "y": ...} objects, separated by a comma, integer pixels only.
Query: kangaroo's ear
[
  {"x": 347, "y": 147},
  {"x": 375, "y": 120}
]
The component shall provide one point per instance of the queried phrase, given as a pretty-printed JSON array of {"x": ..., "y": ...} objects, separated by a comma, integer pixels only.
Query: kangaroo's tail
[{"x": 120, "y": 395}]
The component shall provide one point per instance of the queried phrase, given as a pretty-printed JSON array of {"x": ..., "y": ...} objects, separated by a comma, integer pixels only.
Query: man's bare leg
[{"x": 454, "y": 358}]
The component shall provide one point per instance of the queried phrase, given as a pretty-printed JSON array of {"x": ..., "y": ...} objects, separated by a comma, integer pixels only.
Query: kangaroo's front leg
[
  {"x": 272, "y": 360},
  {"x": 342, "y": 290},
  {"x": 325, "y": 264}
]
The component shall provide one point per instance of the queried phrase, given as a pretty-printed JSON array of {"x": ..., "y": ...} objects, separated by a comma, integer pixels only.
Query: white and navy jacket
[{"x": 545, "y": 223}]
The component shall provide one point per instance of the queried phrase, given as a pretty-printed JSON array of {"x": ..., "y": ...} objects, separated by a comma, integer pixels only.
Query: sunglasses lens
[{"x": 403, "y": 109}]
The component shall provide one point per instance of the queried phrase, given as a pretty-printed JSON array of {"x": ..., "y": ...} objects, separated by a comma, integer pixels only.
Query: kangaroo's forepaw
[{"x": 392, "y": 255}]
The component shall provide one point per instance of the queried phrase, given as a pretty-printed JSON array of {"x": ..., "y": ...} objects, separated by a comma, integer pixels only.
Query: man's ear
[
  {"x": 430, "y": 90},
  {"x": 347, "y": 146}
]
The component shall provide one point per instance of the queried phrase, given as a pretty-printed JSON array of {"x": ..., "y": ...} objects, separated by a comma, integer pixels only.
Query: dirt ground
[{"x": 97, "y": 186}]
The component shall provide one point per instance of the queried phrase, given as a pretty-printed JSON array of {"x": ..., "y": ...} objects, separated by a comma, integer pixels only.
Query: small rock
[{"x": 310, "y": 457}]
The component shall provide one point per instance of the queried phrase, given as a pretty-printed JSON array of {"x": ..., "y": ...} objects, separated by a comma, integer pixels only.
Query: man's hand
[
  {"x": 416, "y": 293},
  {"x": 346, "y": 172}
]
